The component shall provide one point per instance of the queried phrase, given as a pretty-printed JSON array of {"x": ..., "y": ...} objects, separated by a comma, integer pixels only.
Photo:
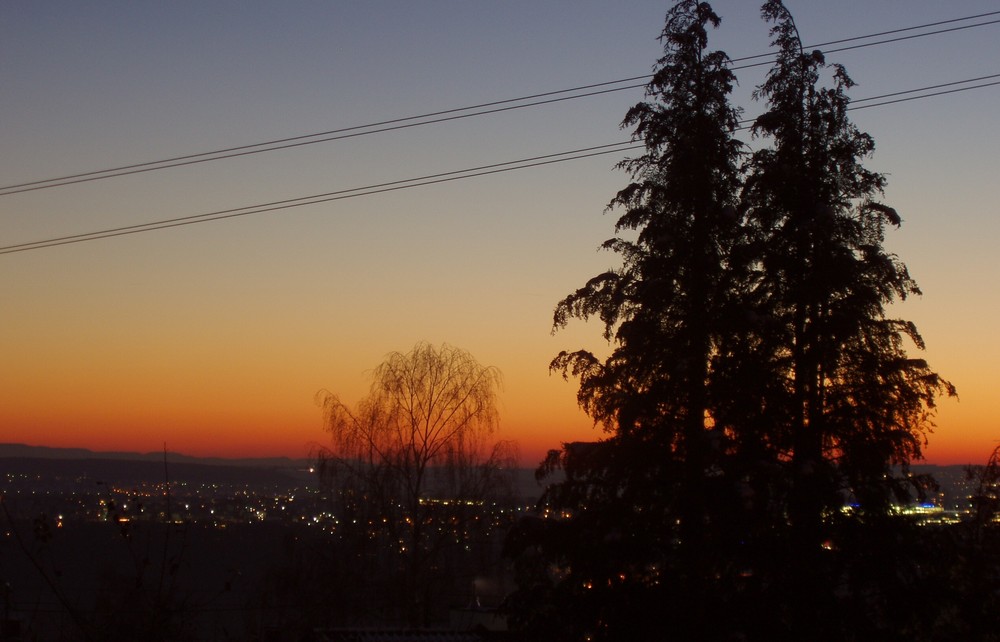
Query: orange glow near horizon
[
  {"x": 219, "y": 399},
  {"x": 117, "y": 388},
  {"x": 532, "y": 442},
  {"x": 955, "y": 440}
]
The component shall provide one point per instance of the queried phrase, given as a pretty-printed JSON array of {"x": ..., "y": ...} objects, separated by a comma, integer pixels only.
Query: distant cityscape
[
  {"x": 78, "y": 525},
  {"x": 79, "y": 485},
  {"x": 229, "y": 531}
]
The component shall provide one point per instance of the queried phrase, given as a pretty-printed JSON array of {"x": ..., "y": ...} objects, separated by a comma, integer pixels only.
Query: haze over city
[{"x": 215, "y": 337}]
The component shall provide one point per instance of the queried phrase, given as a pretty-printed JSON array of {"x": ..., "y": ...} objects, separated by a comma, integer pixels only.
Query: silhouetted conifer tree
[
  {"x": 637, "y": 551},
  {"x": 756, "y": 385},
  {"x": 852, "y": 407}
]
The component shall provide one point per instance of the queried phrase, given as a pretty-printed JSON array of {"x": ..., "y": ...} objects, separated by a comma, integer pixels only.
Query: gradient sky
[{"x": 214, "y": 338}]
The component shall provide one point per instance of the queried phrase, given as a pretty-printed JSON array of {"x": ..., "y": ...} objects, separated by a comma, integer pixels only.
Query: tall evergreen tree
[
  {"x": 756, "y": 386},
  {"x": 854, "y": 407},
  {"x": 651, "y": 484},
  {"x": 855, "y": 401}
]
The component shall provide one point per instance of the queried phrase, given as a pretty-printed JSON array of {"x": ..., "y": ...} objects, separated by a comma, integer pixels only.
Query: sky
[{"x": 214, "y": 338}]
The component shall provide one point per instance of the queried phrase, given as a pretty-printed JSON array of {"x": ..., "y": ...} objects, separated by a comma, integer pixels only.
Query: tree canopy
[
  {"x": 405, "y": 464},
  {"x": 756, "y": 387}
]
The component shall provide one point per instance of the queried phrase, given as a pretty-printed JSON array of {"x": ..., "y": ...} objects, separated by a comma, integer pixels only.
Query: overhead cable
[
  {"x": 452, "y": 114},
  {"x": 745, "y": 123},
  {"x": 354, "y": 192},
  {"x": 431, "y": 179}
]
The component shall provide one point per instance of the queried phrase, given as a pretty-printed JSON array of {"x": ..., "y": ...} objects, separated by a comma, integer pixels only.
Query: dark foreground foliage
[{"x": 761, "y": 408}]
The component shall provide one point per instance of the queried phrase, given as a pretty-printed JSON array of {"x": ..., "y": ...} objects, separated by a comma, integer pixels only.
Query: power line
[
  {"x": 905, "y": 29},
  {"x": 911, "y": 37},
  {"x": 444, "y": 177},
  {"x": 865, "y": 44},
  {"x": 744, "y": 123},
  {"x": 367, "y": 190},
  {"x": 936, "y": 93},
  {"x": 927, "y": 88},
  {"x": 451, "y": 114},
  {"x": 341, "y": 134}
]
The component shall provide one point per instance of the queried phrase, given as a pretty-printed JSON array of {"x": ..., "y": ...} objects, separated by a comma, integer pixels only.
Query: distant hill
[
  {"x": 75, "y": 465},
  {"x": 45, "y": 452},
  {"x": 78, "y": 464},
  {"x": 58, "y": 473}
]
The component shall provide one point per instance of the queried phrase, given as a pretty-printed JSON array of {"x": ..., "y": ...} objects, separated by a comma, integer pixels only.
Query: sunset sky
[{"x": 214, "y": 338}]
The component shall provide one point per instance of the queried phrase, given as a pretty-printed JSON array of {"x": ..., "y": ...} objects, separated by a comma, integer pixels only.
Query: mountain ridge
[{"x": 19, "y": 450}]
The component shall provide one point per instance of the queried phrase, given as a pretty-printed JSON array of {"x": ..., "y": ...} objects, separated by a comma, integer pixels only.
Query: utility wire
[
  {"x": 431, "y": 179},
  {"x": 927, "y": 88},
  {"x": 450, "y": 114},
  {"x": 864, "y": 44},
  {"x": 349, "y": 132},
  {"x": 746, "y": 122},
  {"x": 911, "y": 37},
  {"x": 936, "y": 93},
  {"x": 367, "y": 190}
]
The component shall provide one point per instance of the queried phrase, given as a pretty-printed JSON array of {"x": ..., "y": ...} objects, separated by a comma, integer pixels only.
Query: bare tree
[{"x": 413, "y": 468}]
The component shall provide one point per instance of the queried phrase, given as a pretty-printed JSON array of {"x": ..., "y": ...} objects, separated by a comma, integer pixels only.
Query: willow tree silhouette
[
  {"x": 756, "y": 385},
  {"x": 410, "y": 469}
]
